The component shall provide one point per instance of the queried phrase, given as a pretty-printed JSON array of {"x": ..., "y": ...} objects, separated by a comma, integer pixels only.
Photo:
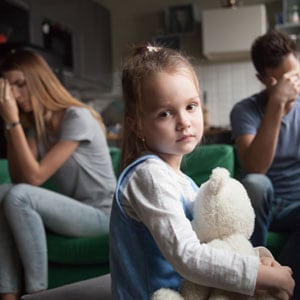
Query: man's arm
[{"x": 257, "y": 151}]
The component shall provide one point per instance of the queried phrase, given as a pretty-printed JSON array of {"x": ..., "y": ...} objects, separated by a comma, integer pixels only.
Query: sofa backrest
[
  {"x": 199, "y": 163},
  {"x": 115, "y": 154}
]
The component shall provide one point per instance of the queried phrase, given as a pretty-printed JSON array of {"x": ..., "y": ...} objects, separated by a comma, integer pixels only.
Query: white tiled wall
[{"x": 225, "y": 84}]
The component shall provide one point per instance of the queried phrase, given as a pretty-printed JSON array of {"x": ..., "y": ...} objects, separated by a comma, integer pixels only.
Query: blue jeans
[
  {"x": 278, "y": 215},
  {"x": 25, "y": 212}
]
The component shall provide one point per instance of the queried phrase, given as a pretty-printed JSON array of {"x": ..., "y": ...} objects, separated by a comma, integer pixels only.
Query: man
[{"x": 266, "y": 129}]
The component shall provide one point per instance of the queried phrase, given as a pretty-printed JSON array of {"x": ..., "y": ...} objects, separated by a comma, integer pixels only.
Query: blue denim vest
[{"x": 137, "y": 266}]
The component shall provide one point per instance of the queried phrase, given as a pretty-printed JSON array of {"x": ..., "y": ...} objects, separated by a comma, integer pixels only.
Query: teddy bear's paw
[
  {"x": 226, "y": 295},
  {"x": 166, "y": 294},
  {"x": 263, "y": 295},
  {"x": 192, "y": 291}
]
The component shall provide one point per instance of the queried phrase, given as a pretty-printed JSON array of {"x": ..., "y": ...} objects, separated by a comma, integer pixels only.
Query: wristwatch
[{"x": 9, "y": 126}]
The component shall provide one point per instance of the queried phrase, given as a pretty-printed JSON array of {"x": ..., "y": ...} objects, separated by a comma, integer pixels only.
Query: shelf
[{"x": 289, "y": 28}]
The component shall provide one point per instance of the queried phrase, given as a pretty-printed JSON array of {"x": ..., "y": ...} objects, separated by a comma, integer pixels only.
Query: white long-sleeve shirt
[{"x": 153, "y": 196}]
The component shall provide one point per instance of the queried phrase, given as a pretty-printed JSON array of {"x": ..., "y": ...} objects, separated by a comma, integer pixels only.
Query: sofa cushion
[
  {"x": 4, "y": 173},
  {"x": 199, "y": 163},
  {"x": 76, "y": 250},
  {"x": 275, "y": 242},
  {"x": 62, "y": 274},
  {"x": 115, "y": 154}
]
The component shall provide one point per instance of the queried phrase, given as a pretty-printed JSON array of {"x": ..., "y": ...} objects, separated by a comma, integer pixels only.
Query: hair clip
[
  {"x": 145, "y": 49},
  {"x": 153, "y": 49}
]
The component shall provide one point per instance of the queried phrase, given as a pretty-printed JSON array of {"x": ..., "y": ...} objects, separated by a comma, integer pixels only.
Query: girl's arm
[{"x": 153, "y": 196}]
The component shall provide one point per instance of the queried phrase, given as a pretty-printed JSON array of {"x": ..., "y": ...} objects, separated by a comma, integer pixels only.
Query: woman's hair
[
  {"x": 269, "y": 50},
  {"x": 46, "y": 93},
  {"x": 143, "y": 63}
]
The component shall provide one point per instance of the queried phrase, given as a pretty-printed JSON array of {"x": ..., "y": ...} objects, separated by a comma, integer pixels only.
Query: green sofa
[
  {"x": 76, "y": 259},
  {"x": 73, "y": 259}
]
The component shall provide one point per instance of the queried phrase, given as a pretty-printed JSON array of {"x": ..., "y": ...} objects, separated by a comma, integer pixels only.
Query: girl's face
[
  {"x": 19, "y": 89},
  {"x": 171, "y": 121}
]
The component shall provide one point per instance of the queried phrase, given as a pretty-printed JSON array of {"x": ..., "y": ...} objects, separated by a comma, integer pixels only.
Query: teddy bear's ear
[{"x": 217, "y": 179}]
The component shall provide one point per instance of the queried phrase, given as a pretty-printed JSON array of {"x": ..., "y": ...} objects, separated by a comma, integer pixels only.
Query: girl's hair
[
  {"x": 47, "y": 94},
  {"x": 144, "y": 62}
]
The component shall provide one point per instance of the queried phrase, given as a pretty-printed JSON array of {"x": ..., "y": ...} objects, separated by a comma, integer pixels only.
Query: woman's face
[
  {"x": 172, "y": 121},
  {"x": 19, "y": 89}
]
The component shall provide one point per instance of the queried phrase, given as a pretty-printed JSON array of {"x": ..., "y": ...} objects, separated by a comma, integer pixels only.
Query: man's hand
[{"x": 284, "y": 92}]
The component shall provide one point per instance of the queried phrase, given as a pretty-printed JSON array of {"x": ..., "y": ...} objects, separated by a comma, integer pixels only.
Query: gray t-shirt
[
  {"x": 87, "y": 175},
  {"x": 246, "y": 117}
]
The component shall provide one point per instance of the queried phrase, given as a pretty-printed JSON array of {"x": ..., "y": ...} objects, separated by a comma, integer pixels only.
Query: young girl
[
  {"x": 48, "y": 134},
  {"x": 152, "y": 242}
]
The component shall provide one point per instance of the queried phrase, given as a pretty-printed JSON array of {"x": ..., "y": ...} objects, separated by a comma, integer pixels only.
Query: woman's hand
[{"x": 8, "y": 106}]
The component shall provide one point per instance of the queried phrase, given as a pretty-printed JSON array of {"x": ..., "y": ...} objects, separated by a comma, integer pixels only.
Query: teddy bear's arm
[{"x": 236, "y": 243}]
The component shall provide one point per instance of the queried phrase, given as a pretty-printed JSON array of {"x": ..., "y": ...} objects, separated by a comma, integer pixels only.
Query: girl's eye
[
  {"x": 164, "y": 114},
  {"x": 192, "y": 106}
]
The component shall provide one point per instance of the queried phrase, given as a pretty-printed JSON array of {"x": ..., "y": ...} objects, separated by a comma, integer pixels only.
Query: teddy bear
[{"x": 224, "y": 219}]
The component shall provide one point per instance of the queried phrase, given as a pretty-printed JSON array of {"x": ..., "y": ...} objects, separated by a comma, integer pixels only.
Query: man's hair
[{"x": 269, "y": 50}]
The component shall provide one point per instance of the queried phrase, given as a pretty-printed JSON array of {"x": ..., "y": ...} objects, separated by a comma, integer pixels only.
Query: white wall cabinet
[{"x": 229, "y": 32}]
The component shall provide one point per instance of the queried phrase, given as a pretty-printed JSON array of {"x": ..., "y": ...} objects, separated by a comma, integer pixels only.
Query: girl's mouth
[{"x": 185, "y": 138}]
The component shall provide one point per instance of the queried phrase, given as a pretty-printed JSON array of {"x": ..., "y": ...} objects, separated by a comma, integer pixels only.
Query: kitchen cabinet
[
  {"x": 291, "y": 20},
  {"x": 89, "y": 24},
  {"x": 228, "y": 33},
  {"x": 290, "y": 11}
]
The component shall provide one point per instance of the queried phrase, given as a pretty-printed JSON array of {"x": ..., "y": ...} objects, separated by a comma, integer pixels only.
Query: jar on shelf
[{"x": 294, "y": 14}]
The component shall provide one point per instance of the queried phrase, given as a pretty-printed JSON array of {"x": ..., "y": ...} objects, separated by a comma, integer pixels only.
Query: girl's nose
[{"x": 183, "y": 122}]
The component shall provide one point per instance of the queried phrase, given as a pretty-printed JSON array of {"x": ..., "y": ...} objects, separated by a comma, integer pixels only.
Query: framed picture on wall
[{"x": 180, "y": 19}]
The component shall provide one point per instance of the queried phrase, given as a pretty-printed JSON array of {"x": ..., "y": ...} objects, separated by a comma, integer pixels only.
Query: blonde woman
[{"x": 49, "y": 134}]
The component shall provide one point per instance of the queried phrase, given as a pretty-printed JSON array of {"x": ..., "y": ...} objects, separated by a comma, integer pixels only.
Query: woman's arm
[
  {"x": 22, "y": 153},
  {"x": 25, "y": 167}
]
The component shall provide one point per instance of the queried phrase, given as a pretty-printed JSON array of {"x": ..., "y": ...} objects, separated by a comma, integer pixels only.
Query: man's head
[{"x": 269, "y": 50}]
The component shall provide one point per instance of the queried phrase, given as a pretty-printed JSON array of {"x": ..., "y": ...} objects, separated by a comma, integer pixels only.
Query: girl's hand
[
  {"x": 277, "y": 280},
  {"x": 269, "y": 261},
  {"x": 8, "y": 106}
]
